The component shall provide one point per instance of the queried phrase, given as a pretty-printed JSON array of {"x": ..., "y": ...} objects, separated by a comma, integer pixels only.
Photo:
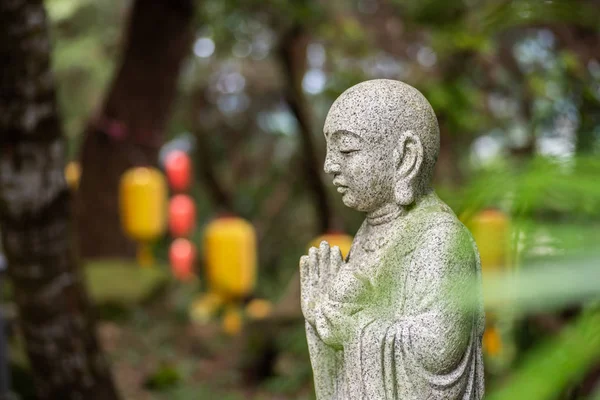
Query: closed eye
[{"x": 350, "y": 151}]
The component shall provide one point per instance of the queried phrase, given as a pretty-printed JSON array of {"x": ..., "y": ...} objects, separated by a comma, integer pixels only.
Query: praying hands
[{"x": 318, "y": 269}]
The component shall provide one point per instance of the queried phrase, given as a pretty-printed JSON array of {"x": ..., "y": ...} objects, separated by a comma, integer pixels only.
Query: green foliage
[
  {"x": 500, "y": 15},
  {"x": 558, "y": 362},
  {"x": 123, "y": 283},
  {"x": 62, "y": 10},
  {"x": 85, "y": 37},
  {"x": 456, "y": 38},
  {"x": 538, "y": 186},
  {"x": 200, "y": 391},
  {"x": 432, "y": 12},
  {"x": 459, "y": 103},
  {"x": 543, "y": 286},
  {"x": 165, "y": 377}
]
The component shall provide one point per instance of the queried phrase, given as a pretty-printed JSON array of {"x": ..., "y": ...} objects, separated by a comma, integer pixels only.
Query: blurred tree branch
[
  {"x": 219, "y": 194},
  {"x": 292, "y": 53}
]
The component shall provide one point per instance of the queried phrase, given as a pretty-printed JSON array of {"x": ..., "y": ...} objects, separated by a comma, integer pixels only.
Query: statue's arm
[
  {"x": 441, "y": 298},
  {"x": 336, "y": 321},
  {"x": 324, "y": 360}
]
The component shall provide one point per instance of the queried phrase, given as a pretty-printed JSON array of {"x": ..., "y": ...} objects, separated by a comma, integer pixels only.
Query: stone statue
[{"x": 401, "y": 318}]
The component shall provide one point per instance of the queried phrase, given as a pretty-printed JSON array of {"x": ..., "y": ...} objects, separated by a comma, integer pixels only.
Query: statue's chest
[
  {"x": 374, "y": 269},
  {"x": 356, "y": 280}
]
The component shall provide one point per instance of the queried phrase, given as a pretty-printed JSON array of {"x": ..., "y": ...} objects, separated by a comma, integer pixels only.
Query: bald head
[{"x": 380, "y": 110}]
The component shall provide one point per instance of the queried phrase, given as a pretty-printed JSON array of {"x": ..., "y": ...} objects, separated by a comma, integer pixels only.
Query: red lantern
[
  {"x": 182, "y": 215},
  {"x": 182, "y": 255},
  {"x": 178, "y": 167}
]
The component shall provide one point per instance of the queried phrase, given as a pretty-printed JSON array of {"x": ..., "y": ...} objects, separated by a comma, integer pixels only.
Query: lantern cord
[{"x": 144, "y": 255}]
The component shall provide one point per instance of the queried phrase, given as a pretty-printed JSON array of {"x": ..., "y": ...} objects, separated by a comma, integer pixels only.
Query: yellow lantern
[
  {"x": 73, "y": 174},
  {"x": 230, "y": 254},
  {"x": 490, "y": 229},
  {"x": 339, "y": 239},
  {"x": 143, "y": 198}
]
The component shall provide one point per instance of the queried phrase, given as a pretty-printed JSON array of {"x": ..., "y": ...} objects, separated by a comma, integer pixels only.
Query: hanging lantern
[
  {"x": 143, "y": 204},
  {"x": 178, "y": 167},
  {"x": 498, "y": 343},
  {"x": 232, "y": 321},
  {"x": 490, "y": 229},
  {"x": 205, "y": 307},
  {"x": 259, "y": 309},
  {"x": 492, "y": 341},
  {"x": 182, "y": 215},
  {"x": 230, "y": 251},
  {"x": 182, "y": 255},
  {"x": 343, "y": 241},
  {"x": 73, "y": 174}
]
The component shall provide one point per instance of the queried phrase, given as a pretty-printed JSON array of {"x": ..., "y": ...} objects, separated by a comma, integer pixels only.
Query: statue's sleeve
[
  {"x": 325, "y": 363},
  {"x": 441, "y": 298},
  {"x": 336, "y": 320},
  {"x": 431, "y": 348}
]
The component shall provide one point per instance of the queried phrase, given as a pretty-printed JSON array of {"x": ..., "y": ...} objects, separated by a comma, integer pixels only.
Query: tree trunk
[
  {"x": 130, "y": 128},
  {"x": 35, "y": 211}
]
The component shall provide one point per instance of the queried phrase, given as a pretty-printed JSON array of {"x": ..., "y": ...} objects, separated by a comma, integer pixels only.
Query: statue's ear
[{"x": 408, "y": 159}]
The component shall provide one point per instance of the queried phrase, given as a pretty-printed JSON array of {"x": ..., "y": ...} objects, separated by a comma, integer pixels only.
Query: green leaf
[
  {"x": 165, "y": 377},
  {"x": 558, "y": 362},
  {"x": 543, "y": 286},
  {"x": 118, "y": 282},
  {"x": 60, "y": 10},
  {"x": 502, "y": 15}
]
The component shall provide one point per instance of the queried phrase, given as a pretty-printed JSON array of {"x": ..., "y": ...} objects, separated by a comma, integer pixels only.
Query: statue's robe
[{"x": 403, "y": 319}]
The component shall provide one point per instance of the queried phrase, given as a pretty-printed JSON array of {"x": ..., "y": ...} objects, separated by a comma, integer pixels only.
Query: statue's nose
[{"x": 331, "y": 167}]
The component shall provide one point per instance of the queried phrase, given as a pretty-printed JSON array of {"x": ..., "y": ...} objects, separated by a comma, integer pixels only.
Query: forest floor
[{"x": 157, "y": 353}]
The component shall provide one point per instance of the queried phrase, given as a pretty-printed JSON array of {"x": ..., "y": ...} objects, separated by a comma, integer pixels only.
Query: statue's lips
[{"x": 341, "y": 188}]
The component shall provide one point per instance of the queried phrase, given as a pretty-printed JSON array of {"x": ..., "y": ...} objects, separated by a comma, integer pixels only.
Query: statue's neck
[
  {"x": 385, "y": 214},
  {"x": 391, "y": 211}
]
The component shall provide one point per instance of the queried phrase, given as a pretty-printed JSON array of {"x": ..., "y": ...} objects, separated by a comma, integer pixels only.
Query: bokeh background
[{"x": 243, "y": 88}]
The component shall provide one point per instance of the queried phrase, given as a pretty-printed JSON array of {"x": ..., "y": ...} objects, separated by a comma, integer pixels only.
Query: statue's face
[
  {"x": 381, "y": 135},
  {"x": 362, "y": 169}
]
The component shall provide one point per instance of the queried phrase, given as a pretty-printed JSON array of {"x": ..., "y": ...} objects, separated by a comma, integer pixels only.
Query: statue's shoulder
[
  {"x": 421, "y": 222},
  {"x": 440, "y": 239},
  {"x": 431, "y": 213},
  {"x": 435, "y": 221}
]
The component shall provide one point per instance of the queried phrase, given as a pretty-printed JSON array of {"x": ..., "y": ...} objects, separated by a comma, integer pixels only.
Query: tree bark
[
  {"x": 131, "y": 125},
  {"x": 35, "y": 211}
]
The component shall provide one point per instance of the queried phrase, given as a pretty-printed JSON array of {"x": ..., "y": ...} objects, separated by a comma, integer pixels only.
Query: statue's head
[{"x": 383, "y": 141}]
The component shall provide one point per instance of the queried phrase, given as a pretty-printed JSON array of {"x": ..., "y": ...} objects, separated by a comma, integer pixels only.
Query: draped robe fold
[{"x": 407, "y": 326}]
